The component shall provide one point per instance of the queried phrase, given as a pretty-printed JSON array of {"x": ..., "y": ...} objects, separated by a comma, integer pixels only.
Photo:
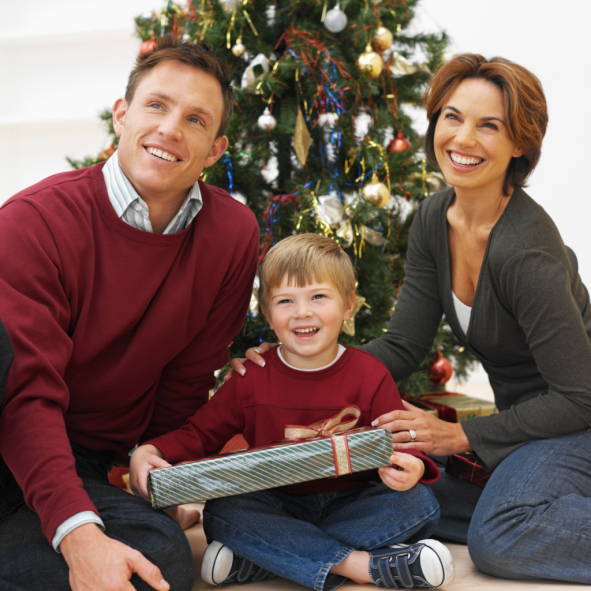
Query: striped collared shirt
[{"x": 132, "y": 209}]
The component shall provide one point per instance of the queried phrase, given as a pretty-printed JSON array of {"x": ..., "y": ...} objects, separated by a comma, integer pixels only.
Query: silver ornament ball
[
  {"x": 335, "y": 20},
  {"x": 266, "y": 121}
]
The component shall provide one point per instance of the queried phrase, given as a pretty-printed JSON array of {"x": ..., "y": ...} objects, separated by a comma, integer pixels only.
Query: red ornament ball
[
  {"x": 398, "y": 144},
  {"x": 440, "y": 370},
  {"x": 148, "y": 46}
]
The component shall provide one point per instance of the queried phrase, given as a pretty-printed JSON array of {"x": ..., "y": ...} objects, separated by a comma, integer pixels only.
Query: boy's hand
[
  {"x": 410, "y": 471},
  {"x": 253, "y": 354},
  {"x": 144, "y": 459}
]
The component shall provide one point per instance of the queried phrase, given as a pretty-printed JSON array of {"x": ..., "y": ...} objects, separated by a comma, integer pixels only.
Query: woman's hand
[
  {"x": 144, "y": 459},
  {"x": 253, "y": 354},
  {"x": 432, "y": 435},
  {"x": 408, "y": 471}
]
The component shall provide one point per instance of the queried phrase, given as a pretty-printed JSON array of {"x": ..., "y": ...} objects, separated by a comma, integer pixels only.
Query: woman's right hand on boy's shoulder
[
  {"x": 143, "y": 459},
  {"x": 253, "y": 354}
]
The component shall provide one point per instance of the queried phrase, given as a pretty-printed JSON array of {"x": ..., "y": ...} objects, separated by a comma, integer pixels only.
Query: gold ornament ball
[
  {"x": 370, "y": 63},
  {"x": 376, "y": 193},
  {"x": 383, "y": 38},
  {"x": 239, "y": 48}
]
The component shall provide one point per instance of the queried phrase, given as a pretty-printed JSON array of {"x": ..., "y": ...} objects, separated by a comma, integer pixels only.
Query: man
[{"x": 121, "y": 287}]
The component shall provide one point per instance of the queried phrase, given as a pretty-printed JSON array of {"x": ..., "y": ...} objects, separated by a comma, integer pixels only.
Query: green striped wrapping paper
[{"x": 264, "y": 467}]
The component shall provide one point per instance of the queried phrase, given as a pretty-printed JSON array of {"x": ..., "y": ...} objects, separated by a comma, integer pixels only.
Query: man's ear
[
  {"x": 119, "y": 112},
  {"x": 218, "y": 148},
  {"x": 350, "y": 305}
]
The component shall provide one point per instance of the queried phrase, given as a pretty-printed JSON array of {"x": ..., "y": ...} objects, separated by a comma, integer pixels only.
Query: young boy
[{"x": 323, "y": 532}]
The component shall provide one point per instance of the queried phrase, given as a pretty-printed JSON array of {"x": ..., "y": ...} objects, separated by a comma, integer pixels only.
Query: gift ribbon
[{"x": 334, "y": 428}]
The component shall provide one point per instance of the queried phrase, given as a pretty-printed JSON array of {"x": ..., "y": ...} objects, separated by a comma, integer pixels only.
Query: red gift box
[
  {"x": 452, "y": 407},
  {"x": 468, "y": 466}
]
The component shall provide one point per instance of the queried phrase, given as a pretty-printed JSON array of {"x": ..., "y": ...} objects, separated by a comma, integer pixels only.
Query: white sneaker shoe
[
  {"x": 426, "y": 564},
  {"x": 221, "y": 566}
]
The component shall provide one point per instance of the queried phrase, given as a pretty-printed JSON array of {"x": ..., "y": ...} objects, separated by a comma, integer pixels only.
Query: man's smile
[{"x": 162, "y": 154}]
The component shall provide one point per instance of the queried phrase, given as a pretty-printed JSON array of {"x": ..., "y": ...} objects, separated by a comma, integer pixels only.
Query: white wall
[{"x": 63, "y": 61}]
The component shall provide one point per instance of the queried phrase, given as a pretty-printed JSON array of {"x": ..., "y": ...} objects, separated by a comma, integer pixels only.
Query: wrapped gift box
[
  {"x": 468, "y": 466},
  {"x": 269, "y": 467},
  {"x": 453, "y": 407}
]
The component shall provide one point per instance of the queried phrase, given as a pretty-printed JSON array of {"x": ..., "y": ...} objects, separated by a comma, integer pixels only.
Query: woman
[{"x": 488, "y": 257}]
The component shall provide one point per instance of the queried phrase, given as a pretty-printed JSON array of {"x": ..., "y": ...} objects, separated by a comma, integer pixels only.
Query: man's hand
[
  {"x": 432, "y": 435},
  {"x": 253, "y": 354},
  {"x": 410, "y": 470},
  {"x": 144, "y": 459},
  {"x": 99, "y": 563}
]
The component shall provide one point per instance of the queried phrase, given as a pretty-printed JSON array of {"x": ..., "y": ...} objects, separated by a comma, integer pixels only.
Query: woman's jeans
[
  {"x": 533, "y": 518},
  {"x": 301, "y": 537}
]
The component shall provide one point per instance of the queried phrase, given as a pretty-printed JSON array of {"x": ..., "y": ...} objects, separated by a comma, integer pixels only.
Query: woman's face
[{"x": 471, "y": 141}]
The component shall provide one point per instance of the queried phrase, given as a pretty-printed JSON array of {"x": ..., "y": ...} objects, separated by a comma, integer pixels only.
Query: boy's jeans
[
  {"x": 301, "y": 537},
  {"x": 533, "y": 519}
]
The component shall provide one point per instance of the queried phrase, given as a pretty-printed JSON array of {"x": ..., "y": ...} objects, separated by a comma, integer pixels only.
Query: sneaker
[
  {"x": 426, "y": 564},
  {"x": 221, "y": 566}
]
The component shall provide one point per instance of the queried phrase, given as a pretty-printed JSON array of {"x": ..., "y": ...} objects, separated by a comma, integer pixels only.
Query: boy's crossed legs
[{"x": 306, "y": 538}]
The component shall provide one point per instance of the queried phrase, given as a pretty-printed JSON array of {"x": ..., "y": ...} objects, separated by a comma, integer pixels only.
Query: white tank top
[{"x": 462, "y": 312}]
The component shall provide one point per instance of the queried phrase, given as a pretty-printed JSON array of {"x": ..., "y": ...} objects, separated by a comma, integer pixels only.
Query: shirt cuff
[{"x": 72, "y": 523}]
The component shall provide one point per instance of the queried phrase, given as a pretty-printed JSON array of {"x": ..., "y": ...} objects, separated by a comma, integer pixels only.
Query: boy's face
[{"x": 307, "y": 321}]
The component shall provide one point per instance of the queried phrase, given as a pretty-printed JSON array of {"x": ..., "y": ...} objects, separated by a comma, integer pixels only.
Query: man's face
[{"x": 168, "y": 131}]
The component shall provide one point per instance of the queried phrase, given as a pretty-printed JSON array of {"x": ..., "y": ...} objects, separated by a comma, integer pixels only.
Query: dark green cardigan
[{"x": 530, "y": 324}]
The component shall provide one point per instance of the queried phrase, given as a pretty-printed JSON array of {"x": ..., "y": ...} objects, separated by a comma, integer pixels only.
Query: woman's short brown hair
[
  {"x": 305, "y": 259},
  {"x": 197, "y": 55},
  {"x": 524, "y": 102}
]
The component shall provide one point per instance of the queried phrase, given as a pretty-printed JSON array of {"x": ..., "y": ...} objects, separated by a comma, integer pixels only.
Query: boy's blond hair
[{"x": 305, "y": 259}]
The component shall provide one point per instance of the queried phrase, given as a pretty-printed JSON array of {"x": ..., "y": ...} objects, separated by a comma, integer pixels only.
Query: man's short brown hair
[
  {"x": 526, "y": 113},
  {"x": 197, "y": 55},
  {"x": 305, "y": 259}
]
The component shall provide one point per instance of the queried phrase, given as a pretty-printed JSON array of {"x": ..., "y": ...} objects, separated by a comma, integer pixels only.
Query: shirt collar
[{"x": 124, "y": 198}]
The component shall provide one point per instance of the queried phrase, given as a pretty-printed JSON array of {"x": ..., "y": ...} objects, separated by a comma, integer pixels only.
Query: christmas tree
[{"x": 321, "y": 139}]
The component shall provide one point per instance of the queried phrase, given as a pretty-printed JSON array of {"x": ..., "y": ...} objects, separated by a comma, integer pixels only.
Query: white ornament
[
  {"x": 239, "y": 197},
  {"x": 229, "y": 4},
  {"x": 402, "y": 206},
  {"x": 249, "y": 78},
  {"x": 335, "y": 20},
  {"x": 363, "y": 122},
  {"x": 328, "y": 120},
  {"x": 266, "y": 121}
]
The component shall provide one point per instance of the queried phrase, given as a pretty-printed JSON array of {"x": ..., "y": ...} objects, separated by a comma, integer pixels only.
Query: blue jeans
[
  {"x": 533, "y": 519},
  {"x": 301, "y": 537},
  {"x": 29, "y": 563}
]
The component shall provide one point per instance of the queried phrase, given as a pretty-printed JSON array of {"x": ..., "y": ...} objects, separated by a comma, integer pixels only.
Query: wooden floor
[{"x": 467, "y": 577}]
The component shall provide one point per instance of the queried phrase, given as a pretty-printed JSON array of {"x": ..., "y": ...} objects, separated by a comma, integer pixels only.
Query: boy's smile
[{"x": 307, "y": 321}]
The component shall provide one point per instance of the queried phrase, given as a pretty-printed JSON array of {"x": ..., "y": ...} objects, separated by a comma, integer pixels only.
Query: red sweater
[
  {"x": 261, "y": 403},
  {"x": 116, "y": 332}
]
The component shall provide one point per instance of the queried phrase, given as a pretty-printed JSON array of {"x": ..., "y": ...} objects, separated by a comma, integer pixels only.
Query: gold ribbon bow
[{"x": 330, "y": 428}]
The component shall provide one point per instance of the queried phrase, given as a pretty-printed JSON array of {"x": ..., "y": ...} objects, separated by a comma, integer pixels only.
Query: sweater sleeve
[
  {"x": 536, "y": 286},
  {"x": 418, "y": 310},
  {"x": 206, "y": 432},
  {"x": 35, "y": 310},
  {"x": 186, "y": 381},
  {"x": 386, "y": 399}
]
